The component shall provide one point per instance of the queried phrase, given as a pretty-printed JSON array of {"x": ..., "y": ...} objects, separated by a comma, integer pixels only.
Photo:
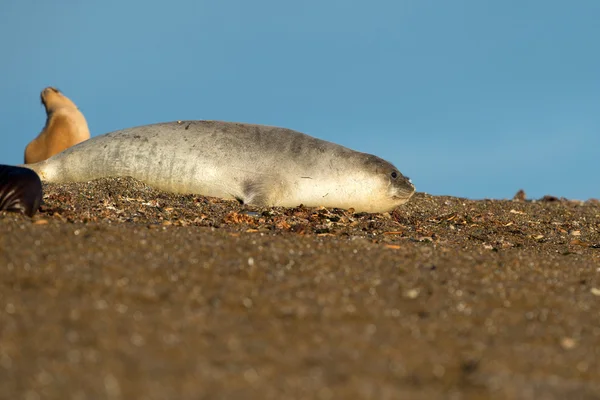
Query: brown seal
[{"x": 65, "y": 127}]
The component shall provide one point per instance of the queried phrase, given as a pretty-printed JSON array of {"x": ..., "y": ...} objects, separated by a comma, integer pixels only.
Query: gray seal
[{"x": 255, "y": 164}]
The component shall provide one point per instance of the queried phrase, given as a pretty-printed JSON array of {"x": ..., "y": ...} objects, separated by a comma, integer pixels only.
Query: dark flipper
[{"x": 20, "y": 190}]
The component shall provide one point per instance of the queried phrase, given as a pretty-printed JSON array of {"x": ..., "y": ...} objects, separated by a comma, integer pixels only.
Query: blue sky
[{"x": 469, "y": 98}]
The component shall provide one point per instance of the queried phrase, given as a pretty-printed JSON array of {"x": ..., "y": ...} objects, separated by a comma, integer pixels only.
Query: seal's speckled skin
[{"x": 255, "y": 164}]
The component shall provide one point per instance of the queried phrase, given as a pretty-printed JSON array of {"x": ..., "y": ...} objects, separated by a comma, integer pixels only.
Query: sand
[{"x": 117, "y": 291}]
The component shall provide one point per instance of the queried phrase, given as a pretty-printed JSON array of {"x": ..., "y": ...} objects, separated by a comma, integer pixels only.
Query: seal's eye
[{"x": 394, "y": 175}]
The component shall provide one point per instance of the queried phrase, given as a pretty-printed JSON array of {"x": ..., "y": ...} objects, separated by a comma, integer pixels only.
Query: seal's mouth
[
  {"x": 403, "y": 196},
  {"x": 403, "y": 193}
]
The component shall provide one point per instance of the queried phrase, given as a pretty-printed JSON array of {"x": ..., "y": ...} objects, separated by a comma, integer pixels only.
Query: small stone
[
  {"x": 439, "y": 370},
  {"x": 101, "y": 304},
  {"x": 412, "y": 293},
  {"x": 568, "y": 343},
  {"x": 578, "y": 242},
  {"x": 251, "y": 375},
  {"x": 549, "y": 198},
  {"x": 137, "y": 340},
  {"x": 595, "y": 291},
  {"x": 121, "y": 308},
  {"x": 371, "y": 329},
  {"x": 520, "y": 196},
  {"x": 112, "y": 386}
]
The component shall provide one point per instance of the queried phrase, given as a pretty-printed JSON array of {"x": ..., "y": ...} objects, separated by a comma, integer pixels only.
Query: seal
[
  {"x": 65, "y": 127},
  {"x": 255, "y": 164},
  {"x": 20, "y": 190}
]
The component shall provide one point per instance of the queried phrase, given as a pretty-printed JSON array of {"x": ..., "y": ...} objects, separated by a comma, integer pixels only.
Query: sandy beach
[{"x": 118, "y": 291}]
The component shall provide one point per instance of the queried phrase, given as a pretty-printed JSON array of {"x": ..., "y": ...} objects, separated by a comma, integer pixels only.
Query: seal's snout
[
  {"x": 46, "y": 92},
  {"x": 50, "y": 89},
  {"x": 403, "y": 186}
]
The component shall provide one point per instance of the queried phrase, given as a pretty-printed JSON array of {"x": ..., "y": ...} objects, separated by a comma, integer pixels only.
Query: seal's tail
[{"x": 20, "y": 189}]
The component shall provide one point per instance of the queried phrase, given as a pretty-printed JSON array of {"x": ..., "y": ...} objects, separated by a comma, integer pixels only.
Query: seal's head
[
  {"x": 52, "y": 98},
  {"x": 398, "y": 188},
  {"x": 401, "y": 187},
  {"x": 363, "y": 182}
]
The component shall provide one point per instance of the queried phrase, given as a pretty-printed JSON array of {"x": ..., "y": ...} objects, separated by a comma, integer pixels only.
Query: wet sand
[{"x": 117, "y": 291}]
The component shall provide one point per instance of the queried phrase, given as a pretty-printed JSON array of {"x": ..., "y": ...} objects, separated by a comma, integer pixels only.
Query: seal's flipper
[
  {"x": 255, "y": 193},
  {"x": 20, "y": 190},
  {"x": 263, "y": 190}
]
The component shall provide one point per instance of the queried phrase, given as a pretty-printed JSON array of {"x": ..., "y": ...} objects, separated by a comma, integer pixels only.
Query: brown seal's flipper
[{"x": 20, "y": 190}]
